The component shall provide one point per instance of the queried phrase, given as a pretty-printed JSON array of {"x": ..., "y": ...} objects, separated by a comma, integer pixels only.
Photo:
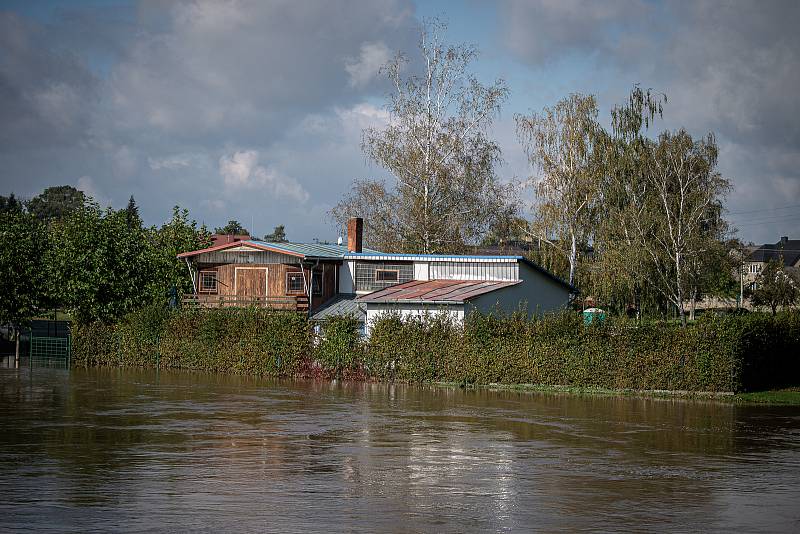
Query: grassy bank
[
  {"x": 782, "y": 397},
  {"x": 787, "y": 397},
  {"x": 716, "y": 354}
]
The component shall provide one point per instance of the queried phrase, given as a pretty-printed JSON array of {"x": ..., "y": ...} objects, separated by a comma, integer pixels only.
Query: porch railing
[{"x": 290, "y": 302}]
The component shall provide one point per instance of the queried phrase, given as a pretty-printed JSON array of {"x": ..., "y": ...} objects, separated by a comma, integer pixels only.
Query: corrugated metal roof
[
  {"x": 427, "y": 257},
  {"x": 304, "y": 250},
  {"x": 342, "y": 305},
  {"x": 312, "y": 250},
  {"x": 449, "y": 291}
]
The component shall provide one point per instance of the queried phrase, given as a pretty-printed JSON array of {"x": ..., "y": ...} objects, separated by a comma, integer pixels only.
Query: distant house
[
  {"x": 327, "y": 280},
  {"x": 786, "y": 250}
]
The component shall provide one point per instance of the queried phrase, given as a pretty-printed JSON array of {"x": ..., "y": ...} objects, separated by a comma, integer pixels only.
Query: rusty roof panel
[{"x": 436, "y": 291}]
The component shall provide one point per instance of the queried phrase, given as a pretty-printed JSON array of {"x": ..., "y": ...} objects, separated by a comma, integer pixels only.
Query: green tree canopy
[
  {"x": 132, "y": 213},
  {"x": 776, "y": 286},
  {"x": 278, "y": 235},
  {"x": 55, "y": 203},
  {"x": 23, "y": 276},
  {"x": 233, "y": 227},
  {"x": 10, "y": 204}
]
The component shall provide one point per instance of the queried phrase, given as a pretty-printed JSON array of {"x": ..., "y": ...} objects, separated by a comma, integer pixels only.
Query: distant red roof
[
  {"x": 451, "y": 291},
  {"x": 222, "y": 239}
]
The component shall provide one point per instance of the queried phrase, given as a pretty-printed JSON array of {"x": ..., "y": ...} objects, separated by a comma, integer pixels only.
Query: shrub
[{"x": 339, "y": 348}]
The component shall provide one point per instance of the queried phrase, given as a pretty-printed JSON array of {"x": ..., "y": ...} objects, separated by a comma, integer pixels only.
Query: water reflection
[{"x": 110, "y": 449}]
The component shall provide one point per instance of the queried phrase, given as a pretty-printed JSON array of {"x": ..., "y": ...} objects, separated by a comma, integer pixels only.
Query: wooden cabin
[{"x": 249, "y": 272}]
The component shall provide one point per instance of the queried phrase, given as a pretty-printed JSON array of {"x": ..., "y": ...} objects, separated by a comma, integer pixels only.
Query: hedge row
[{"x": 734, "y": 353}]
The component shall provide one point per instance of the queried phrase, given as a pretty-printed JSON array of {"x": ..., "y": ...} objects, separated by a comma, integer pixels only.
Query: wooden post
[{"x": 16, "y": 355}]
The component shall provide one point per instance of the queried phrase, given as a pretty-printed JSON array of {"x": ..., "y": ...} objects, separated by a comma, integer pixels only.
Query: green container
[{"x": 592, "y": 315}]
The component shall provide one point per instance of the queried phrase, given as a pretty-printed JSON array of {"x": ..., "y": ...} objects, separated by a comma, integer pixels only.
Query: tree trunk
[
  {"x": 692, "y": 302},
  {"x": 573, "y": 258},
  {"x": 679, "y": 289}
]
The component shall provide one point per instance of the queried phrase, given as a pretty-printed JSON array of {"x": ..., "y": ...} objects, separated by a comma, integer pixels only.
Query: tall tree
[
  {"x": 132, "y": 213},
  {"x": 278, "y": 235},
  {"x": 622, "y": 271},
  {"x": 233, "y": 227},
  {"x": 686, "y": 191},
  {"x": 55, "y": 203},
  {"x": 100, "y": 268},
  {"x": 10, "y": 204},
  {"x": 560, "y": 141},
  {"x": 23, "y": 276},
  {"x": 445, "y": 193},
  {"x": 179, "y": 234}
]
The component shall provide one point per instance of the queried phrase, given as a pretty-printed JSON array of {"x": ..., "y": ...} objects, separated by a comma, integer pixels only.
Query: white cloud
[
  {"x": 366, "y": 67},
  {"x": 89, "y": 187},
  {"x": 240, "y": 170}
]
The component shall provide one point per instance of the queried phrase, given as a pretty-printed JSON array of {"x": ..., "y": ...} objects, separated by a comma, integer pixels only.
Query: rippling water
[{"x": 123, "y": 450}]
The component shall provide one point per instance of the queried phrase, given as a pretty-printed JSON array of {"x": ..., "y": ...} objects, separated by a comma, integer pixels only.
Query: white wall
[
  {"x": 375, "y": 310},
  {"x": 474, "y": 270},
  {"x": 346, "y": 276},
  {"x": 421, "y": 270}
]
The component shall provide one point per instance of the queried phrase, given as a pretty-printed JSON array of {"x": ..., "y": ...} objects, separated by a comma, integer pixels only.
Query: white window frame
[
  {"x": 395, "y": 271},
  {"x": 200, "y": 288}
]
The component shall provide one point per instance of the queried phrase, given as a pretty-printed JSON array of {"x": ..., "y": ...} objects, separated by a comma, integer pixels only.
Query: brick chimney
[{"x": 355, "y": 233}]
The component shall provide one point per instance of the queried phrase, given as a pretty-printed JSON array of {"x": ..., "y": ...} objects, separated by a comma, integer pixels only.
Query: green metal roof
[
  {"x": 310, "y": 250},
  {"x": 341, "y": 305}
]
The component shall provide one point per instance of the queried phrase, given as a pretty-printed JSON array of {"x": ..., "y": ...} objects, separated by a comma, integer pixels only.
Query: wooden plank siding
[{"x": 252, "y": 277}]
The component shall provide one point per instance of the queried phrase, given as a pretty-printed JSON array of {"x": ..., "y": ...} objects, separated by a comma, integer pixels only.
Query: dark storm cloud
[{"x": 45, "y": 94}]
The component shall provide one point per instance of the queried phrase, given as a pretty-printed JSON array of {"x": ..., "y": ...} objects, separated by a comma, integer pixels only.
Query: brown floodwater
[{"x": 130, "y": 450}]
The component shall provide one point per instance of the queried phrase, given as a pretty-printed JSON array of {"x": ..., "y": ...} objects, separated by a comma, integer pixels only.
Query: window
[
  {"x": 208, "y": 281},
  {"x": 370, "y": 278},
  {"x": 387, "y": 275},
  {"x": 294, "y": 283}
]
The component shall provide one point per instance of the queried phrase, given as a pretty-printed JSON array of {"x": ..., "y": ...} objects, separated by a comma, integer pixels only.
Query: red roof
[{"x": 451, "y": 291}]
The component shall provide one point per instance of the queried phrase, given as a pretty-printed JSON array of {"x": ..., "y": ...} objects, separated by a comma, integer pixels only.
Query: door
[{"x": 250, "y": 281}]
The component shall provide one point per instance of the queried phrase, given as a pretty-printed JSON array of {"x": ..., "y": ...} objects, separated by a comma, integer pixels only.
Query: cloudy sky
[{"x": 253, "y": 110}]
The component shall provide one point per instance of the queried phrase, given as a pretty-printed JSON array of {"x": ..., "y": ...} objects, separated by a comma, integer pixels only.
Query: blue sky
[{"x": 253, "y": 110}]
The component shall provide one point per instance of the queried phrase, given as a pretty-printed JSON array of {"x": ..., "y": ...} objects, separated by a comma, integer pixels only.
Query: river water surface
[{"x": 126, "y": 450}]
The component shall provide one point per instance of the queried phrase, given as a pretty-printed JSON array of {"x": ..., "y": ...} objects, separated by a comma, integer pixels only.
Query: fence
[{"x": 50, "y": 351}]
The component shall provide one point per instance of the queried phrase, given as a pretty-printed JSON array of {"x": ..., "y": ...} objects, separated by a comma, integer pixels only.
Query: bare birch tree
[
  {"x": 436, "y": 147},
  {"x": 686, "y": 198},
  {"x": 560, "y": 142}
]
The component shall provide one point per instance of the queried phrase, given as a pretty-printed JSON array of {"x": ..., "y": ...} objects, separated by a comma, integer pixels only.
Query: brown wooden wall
[{"x": 276, "y": 278}]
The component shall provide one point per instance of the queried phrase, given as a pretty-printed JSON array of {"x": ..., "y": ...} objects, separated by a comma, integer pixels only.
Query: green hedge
[
  {"x": 733, "y": 353},
  {"x": 248, "y": 341}
]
